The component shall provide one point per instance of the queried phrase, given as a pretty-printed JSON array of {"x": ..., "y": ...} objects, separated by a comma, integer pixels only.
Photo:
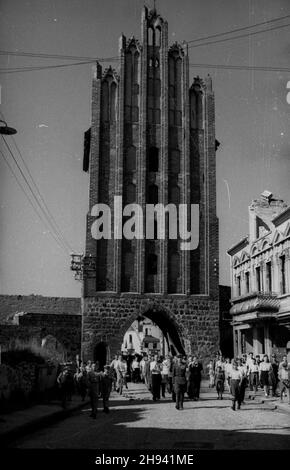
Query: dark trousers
[
  {"x": 94, "y": 396},
  {"x": 243, "y": 389},
  {"x": 64, "y": 397},
  {"x": 106, "y": 397},
  {"x": 156, "y": 384},
  {"x": 164, "y": 384},
  {"x": 235, "y": 391},
  {"x": 169, "y": 384},
  {"x": 179, "y": 392},
  {"x": 254, "y": 380},
  {"x": 136, "y": 375}
]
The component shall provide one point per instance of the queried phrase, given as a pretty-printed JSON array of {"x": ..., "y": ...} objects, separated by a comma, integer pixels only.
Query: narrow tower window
[
  {"x": 152, "y": 264},
  {"x": 153, "y": 194},
  {"x": 150, "y": 37},
  {"x": 153, "y": 159}
]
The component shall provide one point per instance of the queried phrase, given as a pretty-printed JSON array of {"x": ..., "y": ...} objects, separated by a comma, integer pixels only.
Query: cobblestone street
[{"x": 136, "y": 422}]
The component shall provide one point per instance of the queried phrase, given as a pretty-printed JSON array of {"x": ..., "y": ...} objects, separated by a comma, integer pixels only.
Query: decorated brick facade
[{"x": 152, "y": 140}]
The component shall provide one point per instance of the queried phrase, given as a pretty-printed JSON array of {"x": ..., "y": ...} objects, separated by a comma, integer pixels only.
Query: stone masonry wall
[
  {"x": 35, "y": 327},
  {"x": 107, "y": 317}
]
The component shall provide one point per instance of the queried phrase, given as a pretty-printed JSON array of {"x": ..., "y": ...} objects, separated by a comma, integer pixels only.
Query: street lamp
[{"x": 7, "y": 130}]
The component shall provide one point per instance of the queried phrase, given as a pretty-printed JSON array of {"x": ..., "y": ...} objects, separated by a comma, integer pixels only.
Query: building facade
[
  {"x": 260, "y": 273},
  {"x": 144, "y": 337},
  {"x": 152, "y": 140}
]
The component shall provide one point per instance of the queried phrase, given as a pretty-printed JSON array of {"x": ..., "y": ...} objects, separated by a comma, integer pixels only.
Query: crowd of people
[
  {"x": 89, "y": 380},
  {"x": 177, "y": 376}
]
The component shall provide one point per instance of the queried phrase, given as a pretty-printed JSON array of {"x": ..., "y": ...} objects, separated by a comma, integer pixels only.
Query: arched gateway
[{"x": 152, "y": 140}]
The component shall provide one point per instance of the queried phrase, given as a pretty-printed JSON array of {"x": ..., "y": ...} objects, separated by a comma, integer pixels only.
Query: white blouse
[{"x": 265, "y": 366}]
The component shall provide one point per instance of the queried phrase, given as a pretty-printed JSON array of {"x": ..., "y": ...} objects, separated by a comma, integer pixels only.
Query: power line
[
  {"x": 237, "y": 29},
  {"x": 239, "y": 36},
  {"x": 34, "y": 196},
  {"x": 214, "y": 66},
  {"x": 242, "y": 67},
  {"x": 40, "y": 55},
  {"x": 53, "y": 221},
  {"x": 44, "y": 67},
  {"x": 31, "y": 202},
  {"x": 109, "y": 59}
]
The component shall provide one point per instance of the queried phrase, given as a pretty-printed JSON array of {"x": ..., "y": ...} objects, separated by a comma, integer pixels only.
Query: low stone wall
[
  {"x": 35, "y": 327},
  {"x": 26, "y": 379},
  {"x": 11, "y": 304}
]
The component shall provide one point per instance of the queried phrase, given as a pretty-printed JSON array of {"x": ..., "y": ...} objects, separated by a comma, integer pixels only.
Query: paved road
[{"x": 136, "y": 422}]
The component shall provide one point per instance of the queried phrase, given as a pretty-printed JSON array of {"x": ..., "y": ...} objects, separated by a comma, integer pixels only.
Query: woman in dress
[
  {"x": 155, "y": 369},
  {"x": 265, "y": 370}
]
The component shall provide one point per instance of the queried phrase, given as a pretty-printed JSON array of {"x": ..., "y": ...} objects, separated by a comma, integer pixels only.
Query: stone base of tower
[{"x": 106, "y": 318}]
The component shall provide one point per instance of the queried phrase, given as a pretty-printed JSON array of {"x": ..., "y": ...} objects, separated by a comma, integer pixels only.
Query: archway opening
[
  {"x": 153, "y": 332},
  {"x": 100, "y": 354}
]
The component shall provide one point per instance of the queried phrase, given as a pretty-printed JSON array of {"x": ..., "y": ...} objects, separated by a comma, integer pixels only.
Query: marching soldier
[{"x": 179, "y": 379}]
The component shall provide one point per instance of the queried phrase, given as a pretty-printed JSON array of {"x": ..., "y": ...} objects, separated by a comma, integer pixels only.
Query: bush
[
  {"x": 27, "y": 372},
  {"x": 14, "y": 357}
]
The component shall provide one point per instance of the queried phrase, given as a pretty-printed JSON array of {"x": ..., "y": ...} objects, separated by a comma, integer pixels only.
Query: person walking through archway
[
  {"x": 155, "y": 369},
  {"x": 236, "y": 380},
  {"x": 94, "y": 384},
  {"x": 265, "y": 369},
  {"x": 179, "y": 379},
  {"x": 121, "y": 369},
  {"x": 194, "y": 378}
]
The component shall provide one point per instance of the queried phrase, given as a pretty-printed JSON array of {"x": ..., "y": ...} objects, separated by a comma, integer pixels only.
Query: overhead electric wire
[
  {"x": 88, "y": 59},
  {"x": 237, "y": 29},
  {"x": 31, "y": 202},
  {"x": 10, "y": 70},
  {"x": 50, "y": 215},
  {"x": 214, "y": 66},
  {"x": 34, "y": 196},
  {"x": 44, "y": 67},
  {"x": 242, "y": 67},
  {"x": 109, "y": 59},
  {"x": 239, "y": 36},
  {"x": 41, "y": 55}
]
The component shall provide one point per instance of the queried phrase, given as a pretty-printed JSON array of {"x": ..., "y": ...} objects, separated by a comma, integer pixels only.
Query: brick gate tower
[{"x": 152, "y": 140}]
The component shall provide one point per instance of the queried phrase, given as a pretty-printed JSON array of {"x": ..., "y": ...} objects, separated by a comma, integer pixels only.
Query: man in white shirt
[
  {"x": 220, "y": 363},
  {"x": 227, "y": 370},
  {"x": 236, "y": 380},
  {"x": 113, "y": 366},
  {"x": 135, "y": 366},
  {"x": 253, "y": 374},
  {"x": 121, "y": 369}
]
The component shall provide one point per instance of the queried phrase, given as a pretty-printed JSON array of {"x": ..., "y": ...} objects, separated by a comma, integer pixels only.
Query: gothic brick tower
[{"x": 152, "y": 140}]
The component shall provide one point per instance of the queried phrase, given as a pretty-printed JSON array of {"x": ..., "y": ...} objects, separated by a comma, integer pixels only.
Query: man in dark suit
[{"x": 179, "y": 380}]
